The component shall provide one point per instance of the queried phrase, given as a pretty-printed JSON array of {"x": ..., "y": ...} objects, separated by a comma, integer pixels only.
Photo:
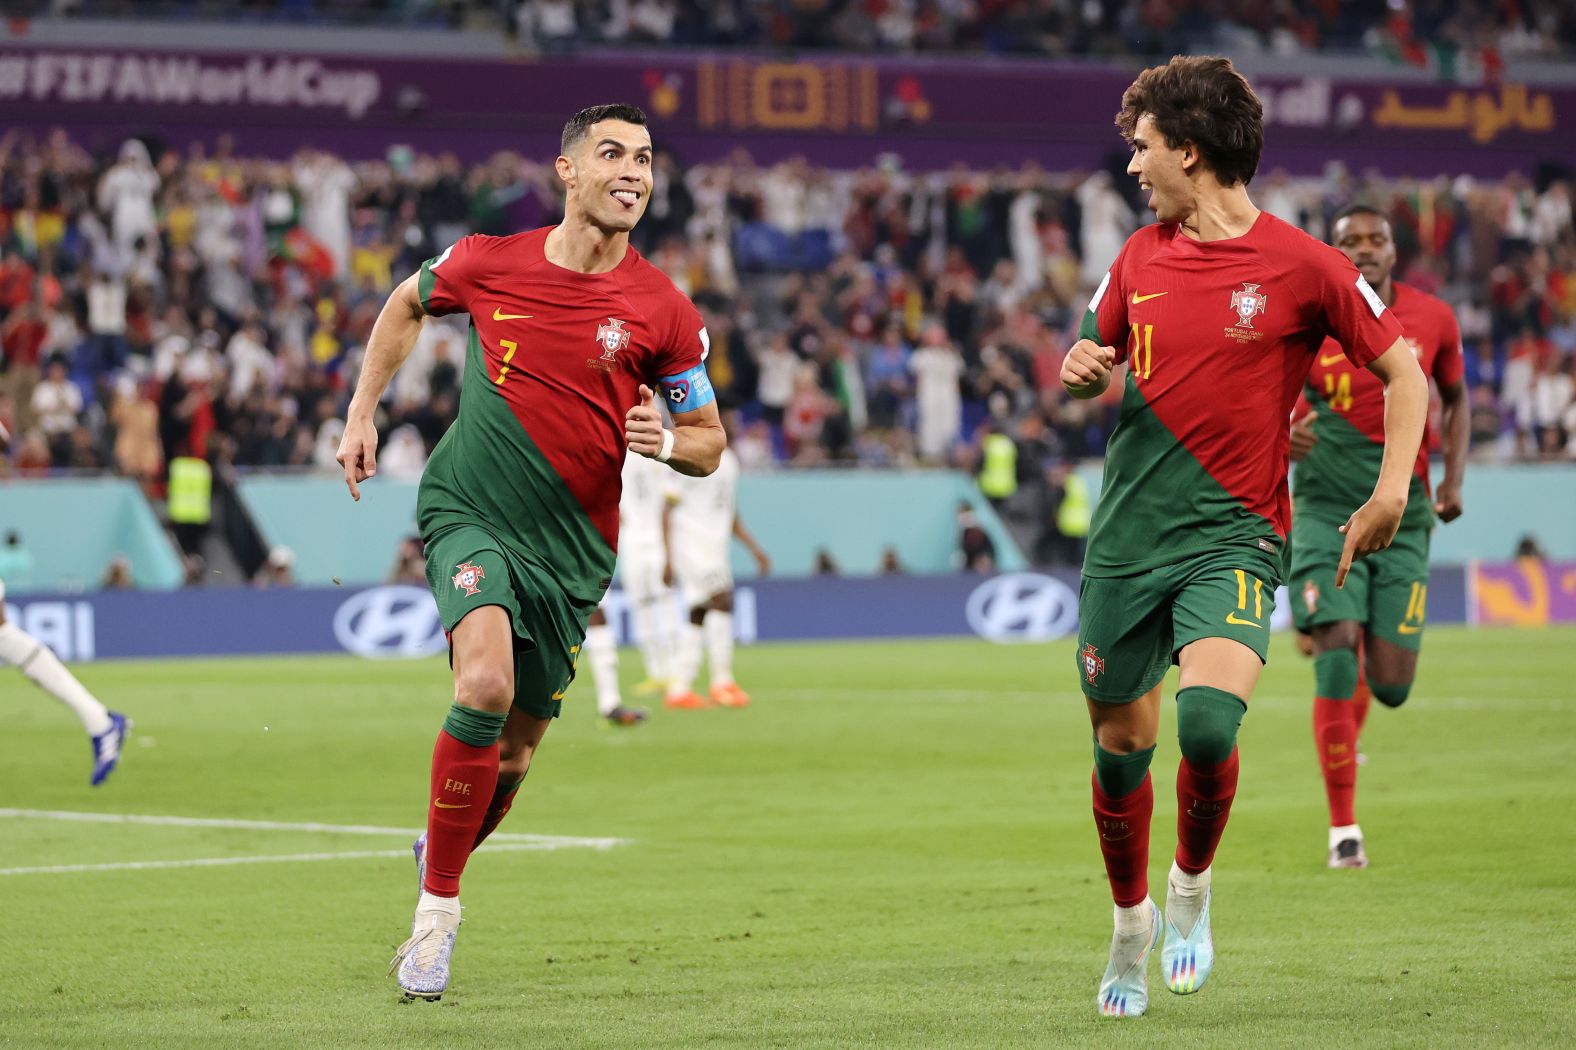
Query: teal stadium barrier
[
  {"x": 1503, "y": 503},
  {"x": 74, "y": 528},
  {"x": 855, "y": 515}
]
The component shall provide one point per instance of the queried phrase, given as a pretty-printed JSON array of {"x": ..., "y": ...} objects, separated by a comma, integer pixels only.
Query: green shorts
[
  {"x": 1386, "y": 592},
  {"x": 1131, "y": 628},
  {"x": 467, "y": 568}
]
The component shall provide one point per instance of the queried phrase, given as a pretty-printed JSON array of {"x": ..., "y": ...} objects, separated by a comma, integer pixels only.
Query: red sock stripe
[
  {"x": 1335, "y": 735},
  {"x": 1204, "y": 797},
  {"x": 1123, "y": 826},
  {"x": 456, "y": 808}
]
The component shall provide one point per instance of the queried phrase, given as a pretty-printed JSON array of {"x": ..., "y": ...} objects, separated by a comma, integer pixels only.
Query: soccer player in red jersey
[
  {"x": 1218, "y": 310},
  {"x": 1338, "y": 441},
  {"x": 571, "y": 333}
]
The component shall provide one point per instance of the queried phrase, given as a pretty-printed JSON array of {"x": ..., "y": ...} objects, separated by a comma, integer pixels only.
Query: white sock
[
  {"x": 655, "y": 647},
  {"x": 718, "y": 626},
  {"x": 35, "y": 660},
  {"x": 686, "y": 659},
  {"x": 1344, "y": 832},
  {"x": 1188, "y": 885},
  {"x": 441, "y": 911},
  {"x": 1132, "y": 921},
  {"x": 1185, "y": 896},
  {"x": 602, "y": 654}
]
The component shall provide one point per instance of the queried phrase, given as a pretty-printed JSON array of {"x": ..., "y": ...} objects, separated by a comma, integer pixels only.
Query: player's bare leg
[
  {"x": 601, "y": 652},
  {"x": 465, "y": 771},
  {"x": 717, "y": 626},
  {"x": 1335, "y": 675},
  {"x": 1218, "y": 676},
  {"x": 105, "y": 728},
  {"x": 1124, "y": 801},
  {"x": 681, "y": 693}
]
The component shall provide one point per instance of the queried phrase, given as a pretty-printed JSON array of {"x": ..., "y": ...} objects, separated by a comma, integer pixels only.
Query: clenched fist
[{"x": 1086, "y": 371}]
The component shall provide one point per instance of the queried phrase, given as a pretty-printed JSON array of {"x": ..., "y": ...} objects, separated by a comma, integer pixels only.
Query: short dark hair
[
  {"x": 580, "y": 124},
  {"x": 1201, "y": 99},
  {"x": 1358, "y": 209}
]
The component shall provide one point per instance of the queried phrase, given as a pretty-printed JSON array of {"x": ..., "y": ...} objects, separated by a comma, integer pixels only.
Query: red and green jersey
[
  {"x": 1218, "y": 337},
  {"x": 555, "y": 360},
  {"x": 1339, "y": 474}
]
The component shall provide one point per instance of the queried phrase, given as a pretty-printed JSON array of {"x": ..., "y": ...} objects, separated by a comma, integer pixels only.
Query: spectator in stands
[
  {"x": 278, "y": 570},
  {"x": 56, "y": 405},
  {"x": 976, "y": 550},
  {"x": 118, "y": 577},
  {"x": 938, "y": 369}
]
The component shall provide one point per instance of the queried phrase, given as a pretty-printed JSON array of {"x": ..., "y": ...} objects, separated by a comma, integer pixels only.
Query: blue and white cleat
[
  {"x": 1186, "y": 960},
  {"x": 1124, "y": 990},
  {"x": 419, "y": 848},
  {"x": 107, "y": 746},
  {"x": 423, "y": 960}
]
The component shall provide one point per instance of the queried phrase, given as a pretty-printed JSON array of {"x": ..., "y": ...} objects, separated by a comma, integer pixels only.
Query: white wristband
[{"x": 667, "y": 447}]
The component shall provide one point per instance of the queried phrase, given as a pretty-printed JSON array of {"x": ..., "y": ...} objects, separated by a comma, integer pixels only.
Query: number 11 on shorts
[{"x": 1242, "y": 601}]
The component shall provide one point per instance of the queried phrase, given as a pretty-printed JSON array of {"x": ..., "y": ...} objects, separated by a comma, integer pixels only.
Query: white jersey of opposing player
[
  {"x": 701, "y": 530},
  {"x": 648, "y": 486}
]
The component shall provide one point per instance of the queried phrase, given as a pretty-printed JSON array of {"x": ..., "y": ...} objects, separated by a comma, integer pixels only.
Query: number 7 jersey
[
  {"x": 555, "y": 359},
  {"x": 1218, "y": 337}
]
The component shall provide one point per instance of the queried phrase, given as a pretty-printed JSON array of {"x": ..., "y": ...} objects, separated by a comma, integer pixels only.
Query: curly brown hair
[{"x": 1200, "y": 99}]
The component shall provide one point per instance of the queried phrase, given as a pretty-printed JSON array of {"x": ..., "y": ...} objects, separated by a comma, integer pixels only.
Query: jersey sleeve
[
  {"x": 1350, "y": 311},
  {"x": 680, "y": 364},
  {"x": 447, "y": 281},
  {"x": 1449, "y": 366},
  {"x": 1105, "y": 320}
]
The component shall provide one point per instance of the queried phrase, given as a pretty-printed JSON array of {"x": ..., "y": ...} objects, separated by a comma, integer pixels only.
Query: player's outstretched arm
[
  {"x": 1455, "y": 428},
  {"x": 1374, "y": 524},
  {"x": 694, "y": 445},
  {"x": 763, "y": 561},
  {"x": 393, "y": 336},
  {"x": 1086, "y": 371}
]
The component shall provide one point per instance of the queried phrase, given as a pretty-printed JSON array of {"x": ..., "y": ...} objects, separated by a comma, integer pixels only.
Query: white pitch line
[
  {"x": 219, "y": 862},
  {"x": 537, "y": 841}
]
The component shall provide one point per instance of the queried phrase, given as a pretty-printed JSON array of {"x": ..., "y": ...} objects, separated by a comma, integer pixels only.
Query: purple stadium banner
[
  {"x": 1524, "y": 593},
  {"x": 837, "y": 111},
  {"x": 402, "y": 621}
]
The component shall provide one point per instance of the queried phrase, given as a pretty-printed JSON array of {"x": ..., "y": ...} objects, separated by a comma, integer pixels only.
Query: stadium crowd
[
  {"x": 155, "y": 303},
  {"x": 1442, "y": 34}
]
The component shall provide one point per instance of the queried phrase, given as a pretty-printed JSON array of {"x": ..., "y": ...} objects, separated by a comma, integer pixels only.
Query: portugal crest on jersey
[
  {"x": 612, "y": 337},
  {"x": 469, "y": 578},
  {"x": 1093, "y": 666},
  {"x": 1247, "y": 303}
]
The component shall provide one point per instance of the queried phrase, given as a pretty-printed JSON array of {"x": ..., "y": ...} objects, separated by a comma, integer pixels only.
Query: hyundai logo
[
  {"x": 1022, "y": 607},
  {"x": 390, "y": 621}
]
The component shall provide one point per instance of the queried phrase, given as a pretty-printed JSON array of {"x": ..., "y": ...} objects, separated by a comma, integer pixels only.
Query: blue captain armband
[{"x": 688, "y": 390}]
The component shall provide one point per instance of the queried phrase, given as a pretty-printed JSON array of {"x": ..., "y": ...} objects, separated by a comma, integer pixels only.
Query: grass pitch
[{"x": 891, "y": 848}]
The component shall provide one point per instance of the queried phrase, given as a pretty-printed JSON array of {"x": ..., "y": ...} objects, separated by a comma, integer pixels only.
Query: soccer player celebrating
[
  {"x": 570, "y": 332},
  {"x": 1217, "y": 310},
  {"x": 1339, "y": 443},
  {"x": 703, "y": 518}
]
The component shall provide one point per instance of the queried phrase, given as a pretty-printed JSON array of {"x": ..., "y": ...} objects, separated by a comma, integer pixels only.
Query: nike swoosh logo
[
  {"x": 1232, "y": 619},
  {"x": 1145, "y": 298},
  {"x": 499, "y": 315},
  {"x": 1404, "y": 629},
  {"x": 448, "y": 805},
  {"x": 1333, "y": 359},
  {"x": 1117, "y": 838},
  {"x": 1341, "y": 764}
]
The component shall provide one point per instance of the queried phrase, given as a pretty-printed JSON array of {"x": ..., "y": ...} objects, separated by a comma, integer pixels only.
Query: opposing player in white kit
[
  {"x": 642, "y": 561},
  {"x": 105, "y": 728},
  {"x": 702, "y": 521}
]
